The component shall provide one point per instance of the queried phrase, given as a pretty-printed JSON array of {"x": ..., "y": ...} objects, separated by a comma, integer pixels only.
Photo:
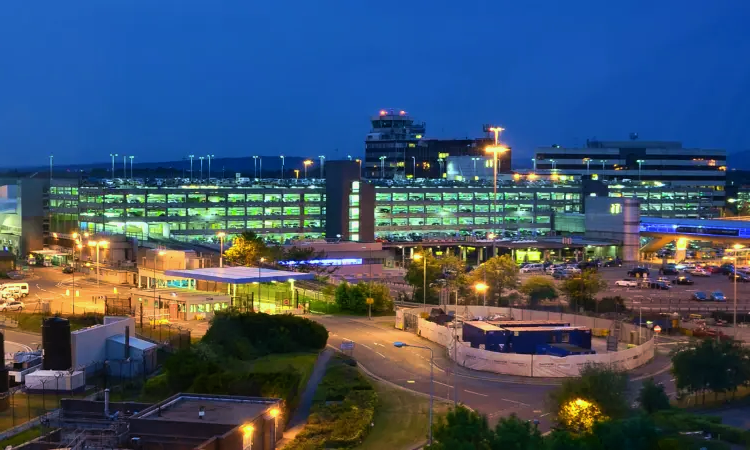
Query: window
[
  {"x": 196, "y": 198},
  {"x": 380, "y": 197},
  {"x": 235, "y": 198},
  {"x": 615, "y": 208},
  {"x": 354, "y": 200},
  {"x": 354, "y": 213},
  {"x": 291, "y": 198}
]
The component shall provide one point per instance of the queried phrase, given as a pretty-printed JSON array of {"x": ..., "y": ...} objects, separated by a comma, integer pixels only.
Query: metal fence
[{"x": 167, "y": 336}]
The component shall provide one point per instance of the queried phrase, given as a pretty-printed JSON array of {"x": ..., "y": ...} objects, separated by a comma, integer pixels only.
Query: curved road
[{"x": 491, "y": 394}]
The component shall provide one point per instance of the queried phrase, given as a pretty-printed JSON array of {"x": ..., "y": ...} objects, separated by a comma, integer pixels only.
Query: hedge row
[
  {"x": 343, "y": 412},
  {"x": 678, "y": 421}
]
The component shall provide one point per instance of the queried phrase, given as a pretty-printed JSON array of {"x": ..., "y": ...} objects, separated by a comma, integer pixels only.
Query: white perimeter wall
[
  {"x": 533, "y": 365},
  {"x": 90, "y": 344}
]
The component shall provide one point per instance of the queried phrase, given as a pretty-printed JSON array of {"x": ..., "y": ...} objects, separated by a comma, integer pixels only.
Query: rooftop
[
  {"x": 136, "y": 343},
  {"x": 223, "y": 410},
  {"x": 239, "y": 275}
]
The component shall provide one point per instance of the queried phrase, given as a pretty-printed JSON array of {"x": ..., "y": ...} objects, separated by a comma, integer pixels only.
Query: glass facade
[{"x": 665, "y": 200}]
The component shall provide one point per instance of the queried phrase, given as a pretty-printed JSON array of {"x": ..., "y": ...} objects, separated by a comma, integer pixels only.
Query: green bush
[
  {"x": 157, "y": 387},
  {"x": 353, "y": 298},
  {"x": 250, "y": 335},
  {"x": 344, "y": 408}
]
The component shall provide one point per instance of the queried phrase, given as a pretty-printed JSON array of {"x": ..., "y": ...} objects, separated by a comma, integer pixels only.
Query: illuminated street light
[
  {"x": 495, "y": 149},
  {"x": 97, "y": 244},
  {"x": 588, "y": 163},
  {"x": 307, "y": 164},
  {"x": 282, "y": 166}
]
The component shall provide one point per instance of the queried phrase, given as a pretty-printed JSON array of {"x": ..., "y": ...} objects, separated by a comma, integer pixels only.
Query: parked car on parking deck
[
  {"x": 639, "y": 272},
  {"x": 718, "y": 296},
  {"x": 699, "y": 272}
]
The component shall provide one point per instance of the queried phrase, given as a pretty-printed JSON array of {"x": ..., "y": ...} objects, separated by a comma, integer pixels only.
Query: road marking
[
  {"x": 365, "y": 346},
  {"x": 514, "y": 401},
  {"x": 410, "y": 381},
  {"x": 673, "y": 379},
  {"x": 476, "y": 393},
  {"x": 545, "y": 414},
  {"x": 380, "y": 354},
  {"x": 537, "y": 411},
  {"x": 442, "y": 383}
]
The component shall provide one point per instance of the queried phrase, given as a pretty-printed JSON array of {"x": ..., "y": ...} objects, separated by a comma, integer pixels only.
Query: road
[{"x": 491, "y": 394}]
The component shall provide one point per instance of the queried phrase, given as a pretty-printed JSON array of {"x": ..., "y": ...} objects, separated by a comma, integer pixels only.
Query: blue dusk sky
[{"x": 161, "y": 79}]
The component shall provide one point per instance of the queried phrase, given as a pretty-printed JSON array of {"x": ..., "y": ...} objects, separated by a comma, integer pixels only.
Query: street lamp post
[
  {"x": 191, "y": 166},
  {"x": 588, "y": 163},
  {"x": 124, "y": 167},
  {"x": 307, "y": 163},
  {"x": 156, "y": 254},
  {"x": 424, "y": 276},
  {"x": 260, "y": 267},
  {"x": 282, "y": 166},
  {"x": 255, "y": 166},
  {"x": 260, "y": 167},
  {"x": 414, "y": 166},
  {"x": 131, "y": 167},
  {"x": 640, "y": 165},
  {"x": 432, "y": 377},
  {"x": 322, "y": 165},
  {"x": 210, "y": 157},
  {"x": 495, "y": 149},
  {"x": 113, "y": 155},
  {"x": 201, "y": 159},
  {"x": 481, "y": 288},
  {"x": 221, "y": 235},
  {"x": 382, "y": 166}
]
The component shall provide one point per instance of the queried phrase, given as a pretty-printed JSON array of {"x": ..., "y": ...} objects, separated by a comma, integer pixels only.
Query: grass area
[
  {"x": 33, "y": 322},
  {"x": 343, "y": 408},
  {"x": 303, "y": 363},
  {"x": 25, "y": 407},
  {"x": 401, "y": 419},
  {"x": 20, "y": 438}
]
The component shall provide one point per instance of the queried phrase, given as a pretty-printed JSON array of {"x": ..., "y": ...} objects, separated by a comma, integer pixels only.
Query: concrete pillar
[
  {"x": 411, "y": 252},
  {"x": 480, "y": 255},
  {"x": 463, "y": 253}
]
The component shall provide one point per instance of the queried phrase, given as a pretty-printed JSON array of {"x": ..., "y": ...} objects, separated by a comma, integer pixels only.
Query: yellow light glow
[
  {"x": 681, "y": 244},
  {"x": 480, "y": 287},
  {"x": 86, "y": 234},
  {"x": 580, "y": 415},
  {"x": 248, "y": 429},
  {"x": 382, "y": 112},
  {"x": 274, "y": 412},
  {"x": 103, "y": 243},
  {"x": 516, "y": 176},
  {"x": 738, "y": 246},
  {"x": 495, "y": 149},
  {"x": 162, "y": 253},
  {"x": 75, "y": 235},
  {"x": 221, "y": 234},
  {"x": 532, "y": 176},
  {"x": 80, "y": 246},
  {"x": 91, "y": 244},
  {"x": 491, "y": 236},
  {"x": 54, "y": 235},
  {"x": 262, "y": 259},
  {"x": 307, "y": 162},
  {"x": 554, "y": 177},
  {"x": 417, "y": 257}
]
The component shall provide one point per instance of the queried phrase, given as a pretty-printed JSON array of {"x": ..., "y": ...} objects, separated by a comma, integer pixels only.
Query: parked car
[
  {"x": 626, "y": 282},
  {"x": 683, "y": 280},
  {"x": 713, "y": 269},
  {"x": 742, "y": 277},
  {"x": 14, "y": 305},
  {"x": 718, "y": 296},
  {"x": 532, "y": 268},
  {"x": 612, "y": 263},
  {"x": 700, "y": 296},
  {"x": 668, "y": 270},
  {"x": 699, "y": 272},
  {"x": 726, "y": 269},
  {"x": 639, "y": 272}
]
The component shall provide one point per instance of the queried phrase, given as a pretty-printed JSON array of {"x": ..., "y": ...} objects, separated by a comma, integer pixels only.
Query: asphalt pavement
[{"x": 491, "y": 394}]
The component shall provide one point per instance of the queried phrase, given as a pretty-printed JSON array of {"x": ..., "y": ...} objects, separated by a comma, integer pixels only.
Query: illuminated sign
[{"x": 326, "y": 262}]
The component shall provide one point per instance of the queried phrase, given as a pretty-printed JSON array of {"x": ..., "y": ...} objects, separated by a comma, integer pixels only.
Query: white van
[
  {"x": 532, "y": 268},
  {"x": 21, "y": 288}
]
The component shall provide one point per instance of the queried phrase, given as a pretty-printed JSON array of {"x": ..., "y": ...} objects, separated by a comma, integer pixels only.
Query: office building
[
  {"x": 23, "y": 214},
  {"x": 692, "y": 180}
]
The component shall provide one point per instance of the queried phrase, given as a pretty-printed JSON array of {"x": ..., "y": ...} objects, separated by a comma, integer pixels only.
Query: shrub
[
  {"x": 677, "y": 421},
  {"x": 157, "y": 387},
  {"x": 250, "y": 335}
]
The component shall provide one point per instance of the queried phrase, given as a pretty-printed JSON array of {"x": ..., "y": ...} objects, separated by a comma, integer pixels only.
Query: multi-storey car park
[{"x": 282, "y": 211}]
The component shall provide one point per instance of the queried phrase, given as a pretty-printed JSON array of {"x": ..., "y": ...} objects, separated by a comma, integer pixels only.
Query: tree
[
  {"x": 611, "y": 304},
  {"x": 447, "y": 271},
  {"x": 353, "y": 298},
  {"x": 247, "y": 249},
  {"x": 652, "y": 397},
  {"x": 711, "y": 365},
  {"x": 539, "y": 288},
  {"x": 512, "y": 433},
  {"x": 500, "y": 273},
  {"x": 582, "y": 288},
  {"x": 461, "y": 429},
  {"x": 601, "y": 385}
]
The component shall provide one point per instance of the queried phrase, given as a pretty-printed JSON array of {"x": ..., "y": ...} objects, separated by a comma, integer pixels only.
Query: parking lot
[{"x": 678, "y": 297}]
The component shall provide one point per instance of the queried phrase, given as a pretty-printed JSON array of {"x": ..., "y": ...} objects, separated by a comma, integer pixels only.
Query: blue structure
[
  {"x": 526, "y": 340},
  {"x": 484, "y": 334},
  {"x": 562, "y": 350},
  {"x": 528, "y": 323}
]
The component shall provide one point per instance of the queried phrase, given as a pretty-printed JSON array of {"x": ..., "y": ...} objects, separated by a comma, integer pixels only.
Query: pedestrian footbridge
[{"x": 728, "y": 231}]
